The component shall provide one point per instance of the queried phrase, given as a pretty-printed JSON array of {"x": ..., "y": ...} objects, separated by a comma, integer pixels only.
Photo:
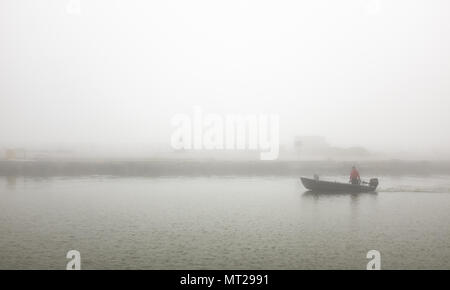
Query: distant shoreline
[{"x": 171, "y": 167}]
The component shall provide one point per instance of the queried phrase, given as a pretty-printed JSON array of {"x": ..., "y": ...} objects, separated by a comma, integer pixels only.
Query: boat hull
[{"x": 332, "y": 186}]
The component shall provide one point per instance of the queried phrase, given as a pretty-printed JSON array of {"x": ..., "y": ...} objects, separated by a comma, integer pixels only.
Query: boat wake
[{"x": 415, "y": 189}]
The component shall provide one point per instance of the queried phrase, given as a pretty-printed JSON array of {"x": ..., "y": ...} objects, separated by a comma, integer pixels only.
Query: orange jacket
[{"x": 354, "y": 174}]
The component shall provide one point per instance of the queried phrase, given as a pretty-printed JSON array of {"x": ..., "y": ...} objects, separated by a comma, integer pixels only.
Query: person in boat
[{"x": 354, "y": 176}]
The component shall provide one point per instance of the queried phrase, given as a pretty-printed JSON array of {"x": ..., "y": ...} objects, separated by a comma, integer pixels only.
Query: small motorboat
[{"x": 333, "y": 186}]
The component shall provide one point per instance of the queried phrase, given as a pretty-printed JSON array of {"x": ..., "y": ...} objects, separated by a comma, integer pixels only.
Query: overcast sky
[{"x": 359, "y": 72}]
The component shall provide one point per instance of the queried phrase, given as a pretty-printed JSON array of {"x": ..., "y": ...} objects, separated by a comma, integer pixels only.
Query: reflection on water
[
  {"x": 220, "y": 223},
  {"x": 327, "y": 194},
  {"x": 354, "y": 198}
]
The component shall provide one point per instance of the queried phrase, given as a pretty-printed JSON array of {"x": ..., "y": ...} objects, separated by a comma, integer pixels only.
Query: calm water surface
[{"x": 221, "y": 223}]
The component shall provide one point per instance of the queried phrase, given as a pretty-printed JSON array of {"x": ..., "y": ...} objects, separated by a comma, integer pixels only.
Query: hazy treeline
[{"x": 219, "y": 168}]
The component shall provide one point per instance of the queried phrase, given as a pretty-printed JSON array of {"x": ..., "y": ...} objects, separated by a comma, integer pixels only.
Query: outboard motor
[{"x": 373, "y": 182}]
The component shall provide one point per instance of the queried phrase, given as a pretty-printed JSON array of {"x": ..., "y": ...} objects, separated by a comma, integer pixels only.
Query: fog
[{"x": 360, "y": 73}]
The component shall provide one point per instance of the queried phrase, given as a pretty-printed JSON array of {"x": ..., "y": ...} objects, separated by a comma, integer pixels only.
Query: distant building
[
  {"x": 310, "y": 144},
  {"x": 318, "y": 147}
]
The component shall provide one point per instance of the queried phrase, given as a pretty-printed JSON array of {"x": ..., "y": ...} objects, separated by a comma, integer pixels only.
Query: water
[{"x": 221, "y": 223}]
